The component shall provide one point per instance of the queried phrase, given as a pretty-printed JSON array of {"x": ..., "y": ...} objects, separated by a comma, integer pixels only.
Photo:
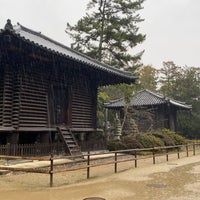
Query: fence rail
[
  {"x": 115, "y": 157},
  {"x": 32, "y": 149}
]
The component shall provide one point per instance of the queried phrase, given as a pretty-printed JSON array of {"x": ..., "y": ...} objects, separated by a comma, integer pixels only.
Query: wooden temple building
[
  {"x": 161, "y": 110},
  {"x": 48, "y": 88}
]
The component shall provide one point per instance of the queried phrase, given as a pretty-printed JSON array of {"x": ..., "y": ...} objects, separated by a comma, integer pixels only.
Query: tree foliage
[
  {"x": 170, "y": 75},
  {"x": 108, "y": 31},
  {"x": 183, "y": 84},
  {"x": 148, "y": 78}
]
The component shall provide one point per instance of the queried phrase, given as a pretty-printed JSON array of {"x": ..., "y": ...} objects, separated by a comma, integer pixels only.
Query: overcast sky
[{"x": 172, "y": 27}]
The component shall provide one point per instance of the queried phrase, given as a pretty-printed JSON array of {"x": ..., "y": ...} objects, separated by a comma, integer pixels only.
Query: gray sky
[{"x": 172, "y": 27}]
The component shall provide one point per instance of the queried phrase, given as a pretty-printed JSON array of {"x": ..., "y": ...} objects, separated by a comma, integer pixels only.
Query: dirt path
[{"x": 173, "y": 180}]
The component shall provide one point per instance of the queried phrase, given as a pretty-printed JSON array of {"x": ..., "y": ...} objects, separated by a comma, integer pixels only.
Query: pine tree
[
  {"x": 169, "y": 76},
  {"x": 148, "y": 78},
  {"x": 109, "y": 31}
]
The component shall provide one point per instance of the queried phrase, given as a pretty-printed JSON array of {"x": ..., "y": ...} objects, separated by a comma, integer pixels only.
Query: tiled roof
[
  {"x": 38, "y": 39},
  {"x": 147, "y": 98}
]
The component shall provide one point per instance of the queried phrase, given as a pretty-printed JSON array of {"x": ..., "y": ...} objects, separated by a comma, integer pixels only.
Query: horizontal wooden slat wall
[
  {"x": 24, "y": 95},
  {"x": 83, "y": 115},
  {"x": 1, "y": 97},
  {"x": 7, "y": 97},
  {"x": 32, "y": 102}
]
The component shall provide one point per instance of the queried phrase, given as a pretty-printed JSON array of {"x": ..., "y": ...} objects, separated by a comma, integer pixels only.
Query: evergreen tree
[
  {"x": 169, "y": 76},
  {"x": 148, "y": 78},
  {"x": 109, "y": 31},
  {"x": 189, "y": 84},
  {"x": 189, "y": 91},
  {"x": 183, "y": 84}
]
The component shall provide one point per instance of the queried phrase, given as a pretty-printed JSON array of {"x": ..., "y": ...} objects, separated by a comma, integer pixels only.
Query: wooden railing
[
  {"x": 36, "y": 149},
  {"x": 109, "y": 158}
]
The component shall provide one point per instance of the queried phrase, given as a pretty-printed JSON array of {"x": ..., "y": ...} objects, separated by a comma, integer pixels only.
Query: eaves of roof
[
  {"x": 182, "y": 105},
  {"x": 118, "y": 103},
  {"x": 38, "y": 39}
]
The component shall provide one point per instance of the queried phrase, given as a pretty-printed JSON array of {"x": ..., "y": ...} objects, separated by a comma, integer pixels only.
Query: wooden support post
[
  {"x": 187, "y": 153},
  {"x": 178, "y": 152},
  {"x": 135, "y": 159},
  {"x": 51, "y": 171},
  {"x": 115, "y": 162},
  {"x": 154, "y": 159},
  {"x": 8, "y": 149},
  {"x": 194, "y": 150},
  {"x": 167, "y": 155},
  {"x": 88, "y": 165}
]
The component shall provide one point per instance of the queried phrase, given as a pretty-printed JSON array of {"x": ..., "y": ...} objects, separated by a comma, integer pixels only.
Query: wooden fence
[
  {"x": 115, "y": 157},
  {"x": 46, "y": 149},
  {"x": 36, "y": 149}
]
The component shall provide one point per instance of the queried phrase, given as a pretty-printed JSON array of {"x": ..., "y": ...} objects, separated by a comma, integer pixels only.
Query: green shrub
[
  {"x": 178, "y": 139},
  {"x": 158, "y": 138},
  {"x": 168, "y": 141},
  {"x": 149, "y": 140},
  {"x": 127, "y": 142},
  {"x": 130, "y": 142},
  {"x": 114, "y": 145}
]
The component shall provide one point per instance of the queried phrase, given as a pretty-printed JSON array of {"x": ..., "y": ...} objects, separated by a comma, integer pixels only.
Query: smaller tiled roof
[{"x": 147, "y": 98}]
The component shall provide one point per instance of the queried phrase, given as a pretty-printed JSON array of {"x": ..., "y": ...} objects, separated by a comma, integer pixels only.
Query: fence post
[
  {"x": 153, "y": 152},
  {"x": 7, "y": 152},
  {"x": 88, "y": 165},
  {"x": 194, "y": 152},
  {"x": 115, "y": 162},
  {"x": 51, "y": 171},
  {"x": 135, "y": 159},
  {"x": 178, "y": 152},
  {"x": 167, "y": 155},
  {"x": 8, "y": 149},
  {"x": 187, "y": 153}
]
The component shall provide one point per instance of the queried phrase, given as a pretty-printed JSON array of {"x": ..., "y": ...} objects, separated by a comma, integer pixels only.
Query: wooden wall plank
[
  {"x": 33, "y": 109},
  {"x": 82, "y": 104},
  {"x": 1, "y": 94}
]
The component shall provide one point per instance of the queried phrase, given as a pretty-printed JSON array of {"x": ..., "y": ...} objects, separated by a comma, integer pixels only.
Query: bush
[
  {"x": 149, "y": 140},
  {"x": 159, "y": 138},
  {"x": 130, "y": 142},
  {"x": 178, "y": 139},
  {"x": 168, "y": 141},
  {"x": 127, "y": 142},
  {"x": 114, "y": 145}
]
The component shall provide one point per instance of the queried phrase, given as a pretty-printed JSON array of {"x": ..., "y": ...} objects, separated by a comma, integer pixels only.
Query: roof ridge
[{"x": 154, "y": 94}]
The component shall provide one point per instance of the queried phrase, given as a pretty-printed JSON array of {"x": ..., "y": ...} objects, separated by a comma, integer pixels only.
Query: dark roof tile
[{"x": 147, "y": 98}]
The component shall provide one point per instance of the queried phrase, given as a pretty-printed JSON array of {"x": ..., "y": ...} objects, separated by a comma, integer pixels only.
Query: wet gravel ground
[{"x": 177, "y": 179}]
